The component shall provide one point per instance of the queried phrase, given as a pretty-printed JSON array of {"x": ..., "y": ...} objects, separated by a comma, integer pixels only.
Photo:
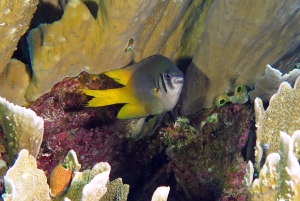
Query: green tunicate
[
  {"x": 221, "y": 100},
  {"x": 241, "y": 94}
]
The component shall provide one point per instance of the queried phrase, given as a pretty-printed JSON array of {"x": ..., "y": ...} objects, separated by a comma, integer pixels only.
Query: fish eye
[{"x": 167, "y": 76}]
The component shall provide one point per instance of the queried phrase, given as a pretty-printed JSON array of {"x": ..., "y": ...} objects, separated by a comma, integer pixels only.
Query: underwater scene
[{"x": 150, "y": 100}]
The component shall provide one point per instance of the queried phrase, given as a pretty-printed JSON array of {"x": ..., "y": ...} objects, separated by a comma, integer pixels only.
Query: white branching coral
[
  {"x": 161, "y": 193},
  {"x": 24, "y": 181},
  {"x": 23, "y": 128},
  {"x": 279, "y": 178}
]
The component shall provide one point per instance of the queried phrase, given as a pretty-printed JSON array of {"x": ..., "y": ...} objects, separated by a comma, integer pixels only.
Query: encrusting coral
[{"x": 23, "y": 128}]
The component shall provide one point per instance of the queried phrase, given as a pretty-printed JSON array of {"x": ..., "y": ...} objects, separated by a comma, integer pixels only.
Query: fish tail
[{"x": 105, "y": 97}]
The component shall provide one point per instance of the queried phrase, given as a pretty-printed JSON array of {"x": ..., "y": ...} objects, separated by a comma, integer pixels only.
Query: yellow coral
[
  {"x": 78, "y": 42},
  {"x": 281, "y": 115},
  {"x": 14, "y": 21},
  {"x": 14, "y": 80}
]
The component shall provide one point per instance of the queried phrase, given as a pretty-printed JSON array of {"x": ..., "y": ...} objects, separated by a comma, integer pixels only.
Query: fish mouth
[{"x": 179, "y": 80}]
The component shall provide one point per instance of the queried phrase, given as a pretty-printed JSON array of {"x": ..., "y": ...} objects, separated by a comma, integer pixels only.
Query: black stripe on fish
[
  {"x": 163, "y": 83},
  {"x": 170, "y": 84}
]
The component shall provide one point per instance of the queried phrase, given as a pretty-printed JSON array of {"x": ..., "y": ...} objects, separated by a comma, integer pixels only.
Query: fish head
[{"x": 170, "y": 83}]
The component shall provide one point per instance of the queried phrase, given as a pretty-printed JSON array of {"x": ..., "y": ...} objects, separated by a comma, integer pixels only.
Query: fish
[{"x": 151, "y": 87}]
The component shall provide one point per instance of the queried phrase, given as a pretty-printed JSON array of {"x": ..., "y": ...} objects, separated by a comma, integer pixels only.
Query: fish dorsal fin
[{"x": 122, "y": 75}]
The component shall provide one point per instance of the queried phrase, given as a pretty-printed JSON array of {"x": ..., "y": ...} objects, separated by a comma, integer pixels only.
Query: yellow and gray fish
[{"x": 152, "y": 86}]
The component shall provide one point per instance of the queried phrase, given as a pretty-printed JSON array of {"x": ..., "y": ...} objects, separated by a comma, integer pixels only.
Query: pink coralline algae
[
  {"x": 93, "y": 133},
  {"x": 207, "y": 162}
]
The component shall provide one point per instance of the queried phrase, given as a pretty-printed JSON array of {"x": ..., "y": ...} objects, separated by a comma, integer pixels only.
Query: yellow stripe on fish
[{"x": 152, "y": 86}]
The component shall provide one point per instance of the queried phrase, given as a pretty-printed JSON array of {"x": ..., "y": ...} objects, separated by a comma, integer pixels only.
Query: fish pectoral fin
[
  {"x": 146, "y": 126},
  {"x": 131, "y": 111}
]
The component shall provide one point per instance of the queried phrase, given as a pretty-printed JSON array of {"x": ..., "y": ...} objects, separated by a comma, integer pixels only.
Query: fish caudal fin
[{"x": 106, "y": 97}]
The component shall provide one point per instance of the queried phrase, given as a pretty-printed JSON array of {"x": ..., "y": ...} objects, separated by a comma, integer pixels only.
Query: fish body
[{"x": 152, "y": 86}]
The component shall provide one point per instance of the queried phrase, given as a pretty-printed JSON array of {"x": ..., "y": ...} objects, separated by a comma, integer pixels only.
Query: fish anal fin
[{"x": 131, "y": 111}]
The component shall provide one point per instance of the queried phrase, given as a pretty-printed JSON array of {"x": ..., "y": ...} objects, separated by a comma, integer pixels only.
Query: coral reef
[
  {"x": 96, "y": 135},
  {"x": 229, "y": 43},
  {"x": 207, "y": 163},
  {"x": 281, "y": 115},
  {"x": 240, "y": 38},
  {"x": 93, "y": 133},
  {"x": 22, "y": 127}
]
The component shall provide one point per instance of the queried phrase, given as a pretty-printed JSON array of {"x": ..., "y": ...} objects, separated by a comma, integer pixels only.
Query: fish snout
[{"x": 179, "y": 80}]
